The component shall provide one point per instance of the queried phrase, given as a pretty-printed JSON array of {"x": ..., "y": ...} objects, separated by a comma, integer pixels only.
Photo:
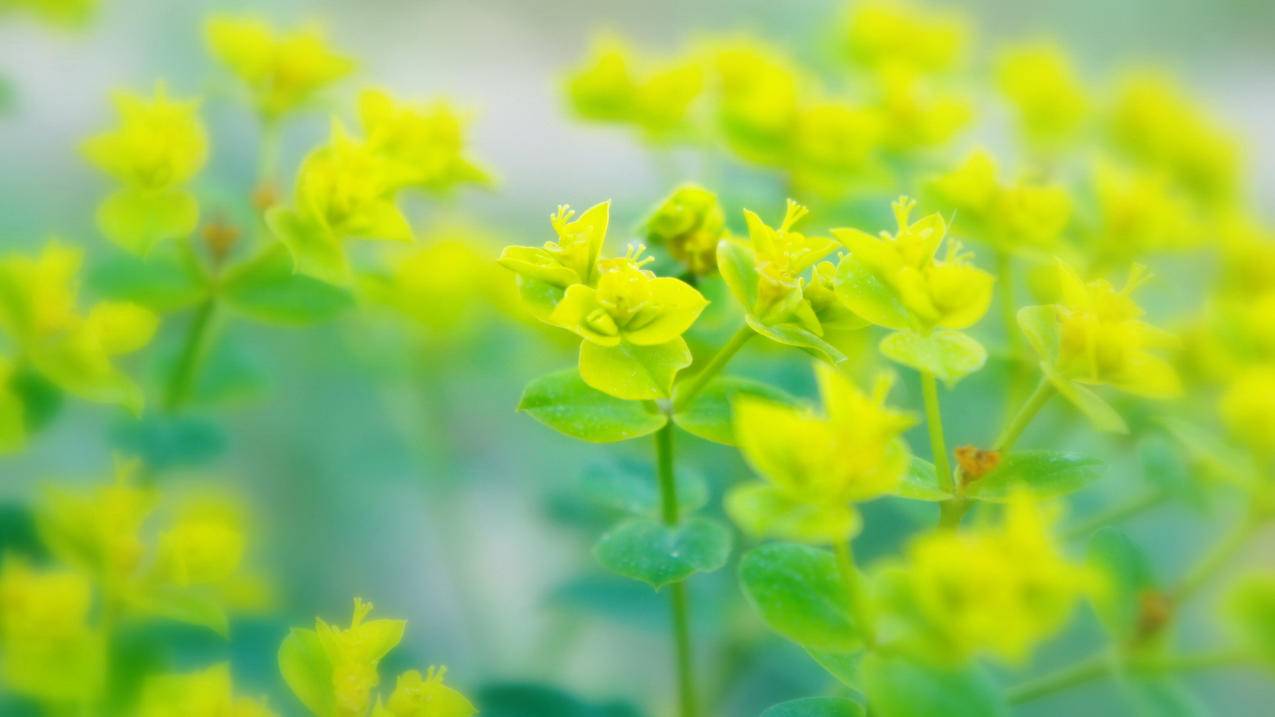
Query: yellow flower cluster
[
  {"x": 614, "y": 86},
  {"x": 206, "y": 693}
]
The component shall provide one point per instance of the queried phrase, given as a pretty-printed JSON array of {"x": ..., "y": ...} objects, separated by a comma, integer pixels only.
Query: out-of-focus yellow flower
[
  {"x": 897, "y": 281},
  {"x": 782, "y": 255},
  {"x": 1042, "y": 85},
  {"x": 1015, "y": 218},
  {"x": 99, "y": 529},
  {"x": 158, "y": 146},
  {"x": 999, "y": 589},
  {"x": 833, "y": 144},
  {"x": 689, "y": 223},
  {"x": 1096, "y": 335},
  {"x": 1157, "y": 124},
  {"x": 916, "y": 116},
  {"x": 283, "y": 70},
  {"x": 344, "y": 190},
  {"x": 333, "y": 671},
  {"x": 48, "y": 650},
  {"x": 207, "y": 693},
  {"x": 64, "y": 13},
  {"x": 74, "y": 351},
  {"x": 425, "y": 696},
  {"x": 422, "y": 145},
  {"x": 815, "y": 466},
  {"x": 614, "y": 86},
  {"x": 899, "y": 36},
  {"x": 204, "y": 545},
  {"x": 1248, "y": 408},
  {"x": 545, "y": 272},
  {"x": 759, "y": 95},
  {"x": 1141, "y": 212}
]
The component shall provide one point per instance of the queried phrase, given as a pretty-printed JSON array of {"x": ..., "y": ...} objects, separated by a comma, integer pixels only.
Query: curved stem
[
  {"x": 195, "y": 348},
  {"x": 1036, "y": 401},
  {"x": 934, "y": 424},
  {"x": 697, "y": 382},
  {"x": 1216, "y": 559},
  {"x": 1086, "y": 670},
  {"x": 1102, "y": 665},
  {"x": 1116, "y": 514},
  {"x": 678, "y": 602}
]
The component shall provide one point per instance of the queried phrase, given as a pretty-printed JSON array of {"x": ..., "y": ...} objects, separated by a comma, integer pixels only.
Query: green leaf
[
  {"x": 165, "y": 441},
  {"x": 532, "y": 700},
  {"x": 307, "y": 671},
  {"x": 799, "y": 593},
  {"x": 138, "y": 219},
  {"x": 1048, "y": 474},
  {"x": 657, "y": 554},
  {"x": 921, "y": 482},
  {"x": 632, "y": 488},
  {"x": 709, "y": 415},
  {"x": 737, "y": 265},
  {"x": 183, "y": 605},
  {"x": 843, "y": 666},
  {"x": 563, "y": 402},
  {"x": 268, "y": 289},
  {"x": 816, "y": 707},
  {"x": 1099, "y": 412},
  {"x": 948, "y": 355},
  {"x": 41, "y": 400},
  {"x": 631, "y": 372},
  {"x": 900, "y": 687},
  {"x": 315, "y": 250},
  {"x": 1251, "y": 609},
  {"x": 162, "y": 280},
  {"x": 1127, "y": 576},
  {"x": 798, "y": 336}
]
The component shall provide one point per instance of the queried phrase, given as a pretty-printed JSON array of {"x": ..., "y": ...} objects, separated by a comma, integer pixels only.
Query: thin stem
[
  {"x": 1036, "y": 401},
  {"x": 934, "y": 423},
  {"x": 195, "y": 348},
  {"x": 268, "y": 157},
  {"x": 1216, "y": 559},
  {"x": 697, "y": 382},
  {"x": 854, "y": 588},
  {"x": 677, "y": 592},
  {"x": 1009, "y": 313},
  {"x": 1086, "y": 670},
  {"x": 1116, "y": 514},
  {"x": 1103, "y": 665}
]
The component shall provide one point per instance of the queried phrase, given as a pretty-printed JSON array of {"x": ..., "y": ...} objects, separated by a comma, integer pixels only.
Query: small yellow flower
[
  {"x": 1000, "y": 589},
  {"x": 615, "y": 86},
  {"x": 689, "y": 223},
  {"x": 544, "y": 273},
  {"x": 100, "y": 529},
  {"x": 283, "y": 71},
  {"x": 833, "y": 144},
  {"x": 1140, "y": 213},
  {"x": 1096, "y": 335},
  {"x": 1016, "y": 218},
  {"x": 896, "y": 35},
  {"x": 1042, "y": 85},
  {"x": 782, "y": 256},
  {"x": 815, "y": 466},
  {"x": 758, "y": 93},
  {"x": 1248, "y": 408},
  {"x": 423, "y": 145},
  {"x": 204, "y": 545},
  {"x": 425, "y": 696},
  {"x": 915, "y": 115},
  {"x": 207, "y": 693},
  {"x": 898, "y": 281}
]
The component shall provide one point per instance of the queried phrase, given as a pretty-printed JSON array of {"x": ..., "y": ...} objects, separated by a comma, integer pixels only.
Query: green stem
[
  {"x": 1086, "y": 670},
  {"x": 934, "y": 423},
  {"x": 268, "y": 157},
  {"x": 677, "y": 592},
  {"x": 1116, "y": 514},
  {"x": 1036, "y": 401},
  {"x": 1009, "y": 313},
  {"x": 854, "y": 588},
  {"x": 1103, "y": 665},
  {"x": 697, "y": 382},
  {"x": 194, "y": 350},
  {"x": 1216, "y": 559}
]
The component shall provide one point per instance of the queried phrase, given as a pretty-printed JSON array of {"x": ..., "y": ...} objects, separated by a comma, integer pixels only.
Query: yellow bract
[
  {"x": 999, "y": 589},
  {"x": 159, "y": 143},
  {"x": 422, "y": 145},
  {"x": 354, "y": 653},
  {"x": 283, "y": 70},
  {"x": 545, "y": 272},
  {"x": 1042, "y": 85},
  {"x": 1141, "y": 212},
  {"x": 689, "y": 222},
  {"x": 613, "y": 86},
  {"x": 782, "y": 256},
  {"x": 899, "y": 36},
  {"x": 758, "y": 99},
  {"x": 207, "y": 693},
  {"x": 74, "y": 351},
  {"x": 815, "y": 466},
  {"x": 896, "y": 281},
  {"x": 1248, "y": 408},
  {"x": 425, "y": 696}
]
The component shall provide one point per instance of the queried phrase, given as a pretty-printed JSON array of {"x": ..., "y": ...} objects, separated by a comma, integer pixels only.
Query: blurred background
[{"x": 392, "y": 465}]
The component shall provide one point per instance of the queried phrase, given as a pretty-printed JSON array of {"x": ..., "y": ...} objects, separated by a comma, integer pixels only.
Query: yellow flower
[
  {"x": 99, "y": 529},
  {"x": 815, "y": 466},
  {"x": 758, "y": 100},
  {"x": 614, "y": 86},
  {"x": 689, "y": 222},
  {"x": 1000, "y": 589},
  {"x": 204, "y": 545},
  {"x": 915, "y": 116},
  {"x": 1095, "y": 335},
  {"x": 207, "y": 693},
  {"x": 832, "y": 144},
  {"x": 1019, "y": 217},
  {"x": 1248, "y": 408},
  {"x": 781, "y": 258},
  {"x": 50, "y": 650},
  {"x": 333, "y": 671},
  {"x": 1041, "y": 83},
  {"x": 283, "y": 71},
  {"x": 427, "y": 696},
  {"x": 897, "y": 281},
  {"x": 159, "y": 145},
  {"x": 1158, "y": 125},
  {"x": 544, "y": 273},
  {"x": 1141, "y": 212},
  {"x": 74, "y": 351},
  {"x": 64, "y": 13},
  {"x": 423, "y": 146},
  {"x": 896, "y": 35},
  {"x": 344, "y": 190}
]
